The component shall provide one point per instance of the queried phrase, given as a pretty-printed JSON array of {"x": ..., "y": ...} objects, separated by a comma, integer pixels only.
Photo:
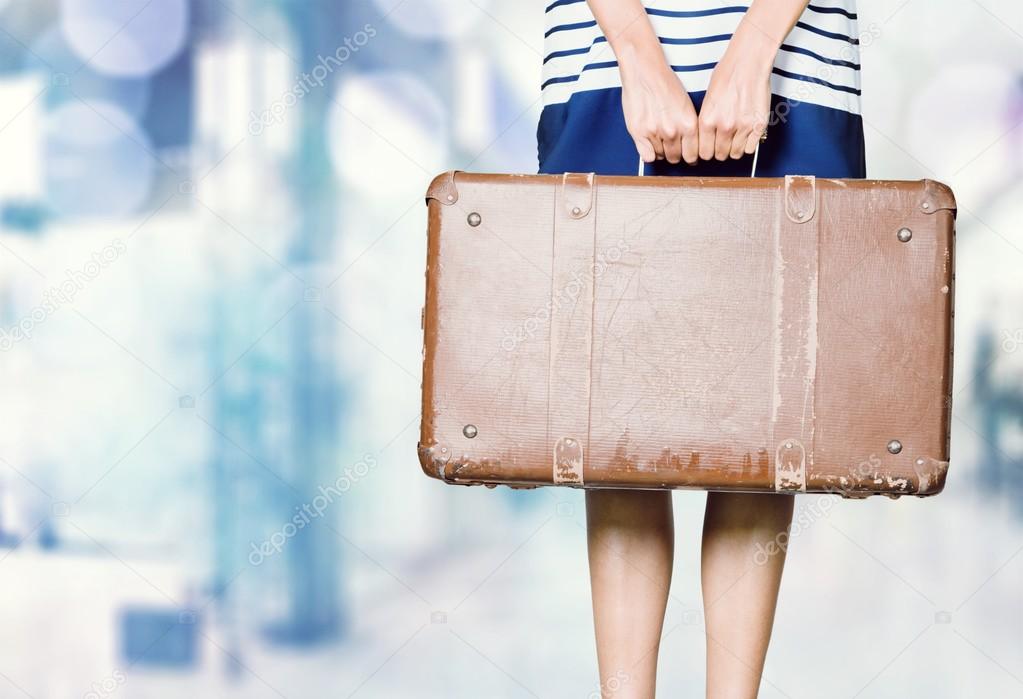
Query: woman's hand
[
  {"x": 736, "y": 108},
  {"x": 658, "y": 112},
  {"x": 659, "y": 115}
]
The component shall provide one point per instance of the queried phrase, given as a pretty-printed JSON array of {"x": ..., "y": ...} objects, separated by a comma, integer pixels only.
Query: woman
[{"x": 689, "y": 87}]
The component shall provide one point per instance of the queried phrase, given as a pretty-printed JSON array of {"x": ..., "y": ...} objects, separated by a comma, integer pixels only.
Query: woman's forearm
[
  {"x": 628, "y": 30},
  {"x": 658, "y": 112},
  {"x": 762, "y": 30},
  {"x": 736, "y": 109},
  {"x": 764, "y": 27}
]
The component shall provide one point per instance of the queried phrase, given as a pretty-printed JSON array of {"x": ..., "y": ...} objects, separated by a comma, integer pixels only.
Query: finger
[
  {"x": 739, "y": 141},
  {"x": 691, "y": 144},
  {"x": 645, "y": 150},
  {"x": 658, "y": 147},
  {"x": 756, "y": 134},
  {"x": 751, "y": 141},
  {"x": 706, "y": 137},
  {"x": 723, "y": 142},
  {"x": 672, "y": 147}
]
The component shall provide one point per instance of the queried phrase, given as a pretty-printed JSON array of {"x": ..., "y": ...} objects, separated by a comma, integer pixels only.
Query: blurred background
[{"x": 212, "y": 239}]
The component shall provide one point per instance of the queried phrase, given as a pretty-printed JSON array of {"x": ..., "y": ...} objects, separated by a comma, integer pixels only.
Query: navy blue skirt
[{"x": 588, "y": 134}]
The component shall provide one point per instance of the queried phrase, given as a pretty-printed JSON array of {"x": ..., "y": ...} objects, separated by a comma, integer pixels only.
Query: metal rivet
[
  {"x": 920, "y": 462},
  {"x": 926, "y": 205},
  {"x": 894, "y": 446},
  {"x": 474, "y": 219},
  {"x": 905, "y": 235},
  {"x": 788, "y": 445},
  {"x": 576, "y": 211},
  {"x": 800, "y": 215},
  {"x": 470, "y": 431}
]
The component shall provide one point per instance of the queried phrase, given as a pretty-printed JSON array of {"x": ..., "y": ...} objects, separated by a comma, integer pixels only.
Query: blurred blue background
[{"x": 212, "y": 238}]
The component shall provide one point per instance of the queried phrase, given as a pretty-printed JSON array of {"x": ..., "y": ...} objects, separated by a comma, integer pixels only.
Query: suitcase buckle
[
  {"x": 577, "y": 189},
  {"x": 790, "y": 467},
  {"x": 568, "y": 461},
  {"x": 800, "y": 197}
]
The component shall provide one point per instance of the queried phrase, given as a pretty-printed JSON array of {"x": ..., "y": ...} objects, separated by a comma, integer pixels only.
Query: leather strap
[
  {"x": 800, "y": 198},
  {"x": 795, "y": 333},
  {"x": 571, "y": 326}
]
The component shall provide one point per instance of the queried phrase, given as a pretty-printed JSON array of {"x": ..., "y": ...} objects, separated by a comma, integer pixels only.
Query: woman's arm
[
  {"x": 738, "y": 103},
  {"x": 658, "y": 112}
]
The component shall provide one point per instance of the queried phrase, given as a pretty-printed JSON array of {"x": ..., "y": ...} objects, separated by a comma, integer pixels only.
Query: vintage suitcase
[{"x": 789, "y": 335}]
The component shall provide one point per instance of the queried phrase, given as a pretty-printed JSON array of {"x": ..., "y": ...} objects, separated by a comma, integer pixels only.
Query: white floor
[{"x": 881, "y": 599}]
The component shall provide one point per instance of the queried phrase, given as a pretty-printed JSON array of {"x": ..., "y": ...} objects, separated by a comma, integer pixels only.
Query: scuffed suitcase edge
[
  {"x": 442, "y": 188},
  {"x": 439, "y": 190},
  {"x": 938, "y": 196},
  {"x": 432, "y": 464},
  {"x": 436, "y": 466},
  {"x": 929, "y": 480}
]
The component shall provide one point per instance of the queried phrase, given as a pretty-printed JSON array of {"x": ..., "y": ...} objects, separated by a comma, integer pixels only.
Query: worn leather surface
[{"x": 726, "y": 334}]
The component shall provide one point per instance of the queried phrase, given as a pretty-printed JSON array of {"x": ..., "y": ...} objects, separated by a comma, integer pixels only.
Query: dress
[{"x": 815, "y": 124}]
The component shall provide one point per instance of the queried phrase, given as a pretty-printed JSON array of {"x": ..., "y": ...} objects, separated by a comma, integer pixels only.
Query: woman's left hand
[{"x": 737, "y": 105}]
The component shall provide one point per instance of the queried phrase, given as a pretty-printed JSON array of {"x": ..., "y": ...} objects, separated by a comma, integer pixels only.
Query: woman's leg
[
  {"x": 744, "y": 542},
  {"x": 631, "y": 541}
]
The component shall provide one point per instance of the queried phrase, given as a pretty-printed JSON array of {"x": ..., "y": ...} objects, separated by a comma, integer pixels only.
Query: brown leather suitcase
[{"x": 781, "y": 335}]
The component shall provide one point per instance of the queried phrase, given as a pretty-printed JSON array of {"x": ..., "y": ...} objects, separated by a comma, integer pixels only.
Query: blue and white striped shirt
[
  {"x": 815, "y": 125},
  {"x": 818, "y": 62}
]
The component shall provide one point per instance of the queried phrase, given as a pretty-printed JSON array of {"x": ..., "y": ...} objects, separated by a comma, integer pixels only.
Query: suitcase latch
[
  {"x": 568, "y": 461},
  {"x": 578, "y": 193},
  {"x": 800, "y": 197},
  {"x": 790, "y": 467}
]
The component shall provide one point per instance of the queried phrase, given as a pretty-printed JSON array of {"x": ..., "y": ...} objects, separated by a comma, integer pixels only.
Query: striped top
[{"x": 818, "y": 62}]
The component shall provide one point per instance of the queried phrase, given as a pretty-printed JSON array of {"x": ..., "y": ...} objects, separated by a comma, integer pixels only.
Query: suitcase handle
[{"x": 753, "y": 173}]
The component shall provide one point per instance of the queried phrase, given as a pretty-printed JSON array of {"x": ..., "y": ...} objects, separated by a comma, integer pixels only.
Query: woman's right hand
[{"x": 659, "y": 114}]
